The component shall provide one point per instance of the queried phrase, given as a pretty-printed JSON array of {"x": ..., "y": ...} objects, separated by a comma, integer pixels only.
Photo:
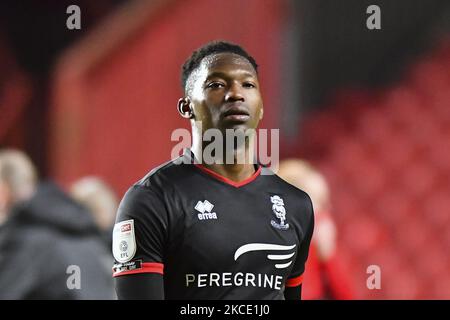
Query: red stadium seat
[{"x": 387, "y": 157}]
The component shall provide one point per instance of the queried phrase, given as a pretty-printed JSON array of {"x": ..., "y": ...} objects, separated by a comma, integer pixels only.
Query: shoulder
[
  {"x": 23, "y": 241},
  {"x": 165, "y": 175},
  {"x": 154, "y": 192},
  {"x": 285, "y": 187},
  {"x": 297, "y": 198},
  {"x": 158, "y": 179}
]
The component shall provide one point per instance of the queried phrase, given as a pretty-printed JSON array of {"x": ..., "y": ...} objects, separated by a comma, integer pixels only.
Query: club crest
[{"x": 280, "y": 213}]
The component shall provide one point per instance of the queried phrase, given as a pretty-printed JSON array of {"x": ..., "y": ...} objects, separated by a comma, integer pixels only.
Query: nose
[{"x": 234, "y": 93}]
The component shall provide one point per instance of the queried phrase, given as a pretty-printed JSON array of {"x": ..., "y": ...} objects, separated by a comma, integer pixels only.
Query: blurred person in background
[
  {"x": 46, "y": 239},
  {"x": 325, "y": 275},
  {"x": 100, "y": 199}
]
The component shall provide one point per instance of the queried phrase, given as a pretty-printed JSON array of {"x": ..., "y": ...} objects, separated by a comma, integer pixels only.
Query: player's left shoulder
[
  {"x": 294, "y": 197},
  {"x": 286, "y": 187}
]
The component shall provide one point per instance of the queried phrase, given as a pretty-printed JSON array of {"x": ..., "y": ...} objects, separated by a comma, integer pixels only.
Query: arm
[
  {"x": 293, "y": 289},
  {"x": 293, "y": 293},
  {"x": 140, "y": 286},
  {"x": 139, "y": 239}
]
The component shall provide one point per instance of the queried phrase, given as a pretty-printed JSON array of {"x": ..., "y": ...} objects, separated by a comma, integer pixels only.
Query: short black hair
[{"x": 210, "y": 48}]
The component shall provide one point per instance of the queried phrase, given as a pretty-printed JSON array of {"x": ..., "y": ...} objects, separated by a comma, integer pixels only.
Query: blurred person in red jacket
[{"x": 325, "y": 275}]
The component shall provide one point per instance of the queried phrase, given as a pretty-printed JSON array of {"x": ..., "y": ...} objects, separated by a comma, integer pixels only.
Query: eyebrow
[{"x": 219, "y": 74}]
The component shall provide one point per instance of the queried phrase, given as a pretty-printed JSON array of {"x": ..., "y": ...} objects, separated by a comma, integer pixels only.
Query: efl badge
[
  {"x": 280, "y": 213},
  {"x": 124, "y": 241}
]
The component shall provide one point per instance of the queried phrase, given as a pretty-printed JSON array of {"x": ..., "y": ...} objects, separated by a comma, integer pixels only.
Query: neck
[{"x": 236, "y": 164}]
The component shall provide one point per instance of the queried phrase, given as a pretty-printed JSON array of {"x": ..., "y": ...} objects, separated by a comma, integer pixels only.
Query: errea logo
[{"x": 205, "y": 209}]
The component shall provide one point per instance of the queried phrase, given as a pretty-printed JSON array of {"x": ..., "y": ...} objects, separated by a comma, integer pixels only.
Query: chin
[{"x": 236, "y": 126}]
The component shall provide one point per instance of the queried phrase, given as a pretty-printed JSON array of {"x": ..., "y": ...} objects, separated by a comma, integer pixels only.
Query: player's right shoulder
[
  {"x": 158, "y": 181},
  {"x": 141, "y": 202},
  {"x": 165, "y": 175}
]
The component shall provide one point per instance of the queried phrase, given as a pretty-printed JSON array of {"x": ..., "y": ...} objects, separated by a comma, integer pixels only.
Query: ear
[
  {"x": 184, "y": 108},
  {"x": 261, "y": 113}
]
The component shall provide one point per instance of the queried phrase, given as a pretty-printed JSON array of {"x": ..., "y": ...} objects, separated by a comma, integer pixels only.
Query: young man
[{"x": 215, "y": 230}]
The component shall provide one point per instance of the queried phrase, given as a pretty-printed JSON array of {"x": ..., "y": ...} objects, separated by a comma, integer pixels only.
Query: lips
[{"x": 236, "y": 112}]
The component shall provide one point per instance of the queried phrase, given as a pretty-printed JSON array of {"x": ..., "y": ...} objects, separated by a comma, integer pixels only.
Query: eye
[
  {"x": 249, "y": 85},
  {"x": 215, "y": 85}
]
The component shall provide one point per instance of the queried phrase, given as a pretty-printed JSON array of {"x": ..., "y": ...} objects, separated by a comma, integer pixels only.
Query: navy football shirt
[{"x": 213, "y": 238}]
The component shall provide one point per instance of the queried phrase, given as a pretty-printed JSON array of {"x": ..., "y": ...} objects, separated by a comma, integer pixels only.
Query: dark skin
[
  {"x": 223, "y": 93},
  {"x": 222, "y": 83}
]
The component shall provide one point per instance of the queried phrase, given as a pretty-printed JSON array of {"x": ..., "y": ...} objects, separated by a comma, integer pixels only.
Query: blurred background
[{"x": 369, "y": 109}]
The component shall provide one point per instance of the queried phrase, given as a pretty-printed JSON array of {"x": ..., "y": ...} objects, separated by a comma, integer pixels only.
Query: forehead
[{"x": 226, "y": 62}]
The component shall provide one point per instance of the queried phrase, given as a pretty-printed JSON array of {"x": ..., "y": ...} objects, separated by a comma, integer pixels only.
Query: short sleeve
[
  {"x": 296, "y": 277},
  {"x": 140, "y": 233}
]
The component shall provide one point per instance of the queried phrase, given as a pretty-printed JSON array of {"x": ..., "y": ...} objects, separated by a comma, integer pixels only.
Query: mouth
[{"x": 236, "y": 113}]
